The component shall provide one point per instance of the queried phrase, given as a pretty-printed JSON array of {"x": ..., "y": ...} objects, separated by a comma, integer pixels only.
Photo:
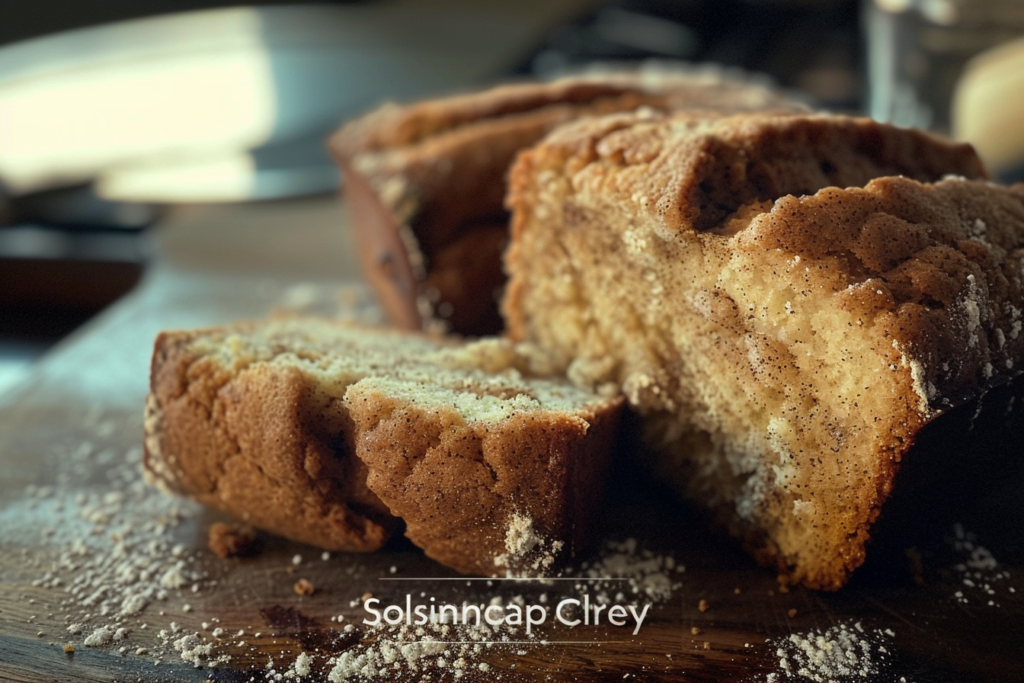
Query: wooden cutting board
[{"x": 78, "y": 529}]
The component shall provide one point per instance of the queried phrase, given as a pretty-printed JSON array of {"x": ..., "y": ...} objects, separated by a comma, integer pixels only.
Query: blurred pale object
[
  {"x": 988, "y": 106},
  {"x": 202, "y": 85},
  {"x": 294, "y": 168},
  {"x": 917, "y": 50}
]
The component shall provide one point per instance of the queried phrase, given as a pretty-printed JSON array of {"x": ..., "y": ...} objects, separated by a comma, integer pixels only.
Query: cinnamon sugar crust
[
  {"x": 329, "y": 433},
  {"x": 260, "y": 442},
  {"x": 784, "y": 314},
  {"x": 425, "y": 183}
]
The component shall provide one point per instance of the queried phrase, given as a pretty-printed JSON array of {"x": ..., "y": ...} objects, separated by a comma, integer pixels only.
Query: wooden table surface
[{"x": 932, "y": 607}]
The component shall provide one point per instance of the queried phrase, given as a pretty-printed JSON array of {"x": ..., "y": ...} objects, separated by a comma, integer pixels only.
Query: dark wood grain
[{"x": 222, "y": 264}]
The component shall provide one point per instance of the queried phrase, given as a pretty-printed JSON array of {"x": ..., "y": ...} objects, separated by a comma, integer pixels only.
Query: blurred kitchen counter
[{"x": 205, "y": 261}]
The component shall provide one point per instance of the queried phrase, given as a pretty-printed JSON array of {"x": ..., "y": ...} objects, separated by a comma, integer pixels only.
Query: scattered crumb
[
  {"x": 100, "y": 637},
  {"x": 980, "y": 572},
  {"x": 302, "y": 664},
  {"x": 791, "y": 612},
  {"x": 703, "y": 605},
  {"x": 842, "y": 652},
  {"x": 399, "y": 651},
  {"x": 525, "y": 549},
  {"x": 193, "y": 650},
  {"x": 648, "y": 574},
  {"x": 231, "y": 540},
  {"x": 304, "y": 587},
  {"x": 68, "y": 649},
  {"x": 695, "y": 631}
]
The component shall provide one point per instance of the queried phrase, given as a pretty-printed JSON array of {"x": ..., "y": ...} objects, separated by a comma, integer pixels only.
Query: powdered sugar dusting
[
  {"x": 843, "y": 652},
  {"x": 113, "y": 553},
  {"x": 648, "y": 574},
  {"x": 526, "y": 549},
  {"x": 389, "y": 652},
  {"x": 980, "y": 574}
]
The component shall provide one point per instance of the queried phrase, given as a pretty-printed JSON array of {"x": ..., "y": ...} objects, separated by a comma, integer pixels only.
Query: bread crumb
[
  {"x": 100, "y": 637},
  {"x": 231, "y": 540},
  {"x": 304, "y": 587},
  {"x": 695, "y": 631},
  {"x": 302, "y": 664},
  {"x": 68, "y": 649},
  {"x": 525, "y": 548},
  {"x": 791, "y": 613},
  {"x": 703, "y": 605}
]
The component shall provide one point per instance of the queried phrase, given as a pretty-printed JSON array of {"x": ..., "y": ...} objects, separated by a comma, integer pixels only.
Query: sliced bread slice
[
  {"x": 328, "y": 433},
  {"x": 783, "y": 343}
]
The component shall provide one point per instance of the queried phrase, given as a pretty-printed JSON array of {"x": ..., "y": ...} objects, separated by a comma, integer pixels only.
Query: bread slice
[
  {"x": 327, "y": 433},
  {"x": 784, "y": 340},
  {"x": 425, "y": 183}
]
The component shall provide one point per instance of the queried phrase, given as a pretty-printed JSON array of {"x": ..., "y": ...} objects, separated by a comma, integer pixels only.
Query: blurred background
[{"x": 116, "y": 113}]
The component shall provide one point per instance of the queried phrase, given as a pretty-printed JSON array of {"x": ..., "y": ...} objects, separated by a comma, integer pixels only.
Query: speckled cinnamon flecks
[
  {"x": 783, "y": 338},
  {"x": 424, "y": 182}
]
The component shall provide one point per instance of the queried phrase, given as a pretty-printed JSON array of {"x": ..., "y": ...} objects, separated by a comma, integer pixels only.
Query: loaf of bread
[
  {"x": 783, "y": 317},
  {"x": 425, "y": 183},
  {"x": 329, "y": 433}
]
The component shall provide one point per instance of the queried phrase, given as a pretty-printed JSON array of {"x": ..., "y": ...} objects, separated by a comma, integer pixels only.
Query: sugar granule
[{"x": 841, "y": 652}]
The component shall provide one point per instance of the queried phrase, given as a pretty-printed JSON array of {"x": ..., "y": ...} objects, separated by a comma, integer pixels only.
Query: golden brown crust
[
  {"x": 392, "y": 125},
  {"x": 427, "y": 175},
  {"x": 458, "y": 486},
  {"x": 690, "y": 171},
  {"x": 252, "y": 445},
  {"x": 936, "y": 267},
  {"x": 784, "y": 343}
]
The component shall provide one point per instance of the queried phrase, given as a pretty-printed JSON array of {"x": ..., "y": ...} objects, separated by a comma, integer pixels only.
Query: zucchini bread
[
  {"x": 783, "y": 310},
  {"x": 330, "y": 433}
]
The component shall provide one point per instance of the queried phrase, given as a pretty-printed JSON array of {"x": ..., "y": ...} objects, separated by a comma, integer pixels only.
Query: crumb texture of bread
[
  {"x": 329, "y": 433},
  {"x": 783, "y": 313},
  {"x": 425, "y": 182}
]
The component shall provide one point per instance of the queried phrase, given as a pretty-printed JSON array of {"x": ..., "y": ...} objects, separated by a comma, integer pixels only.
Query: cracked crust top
[{"x": 425, "y": 182}]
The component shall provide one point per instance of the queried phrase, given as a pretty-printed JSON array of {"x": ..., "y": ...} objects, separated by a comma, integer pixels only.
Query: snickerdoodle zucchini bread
[
  {"x": 328, "y": 433},
  {"x": 784, "y": 339},
  {"x": 425, "y": 182}
]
